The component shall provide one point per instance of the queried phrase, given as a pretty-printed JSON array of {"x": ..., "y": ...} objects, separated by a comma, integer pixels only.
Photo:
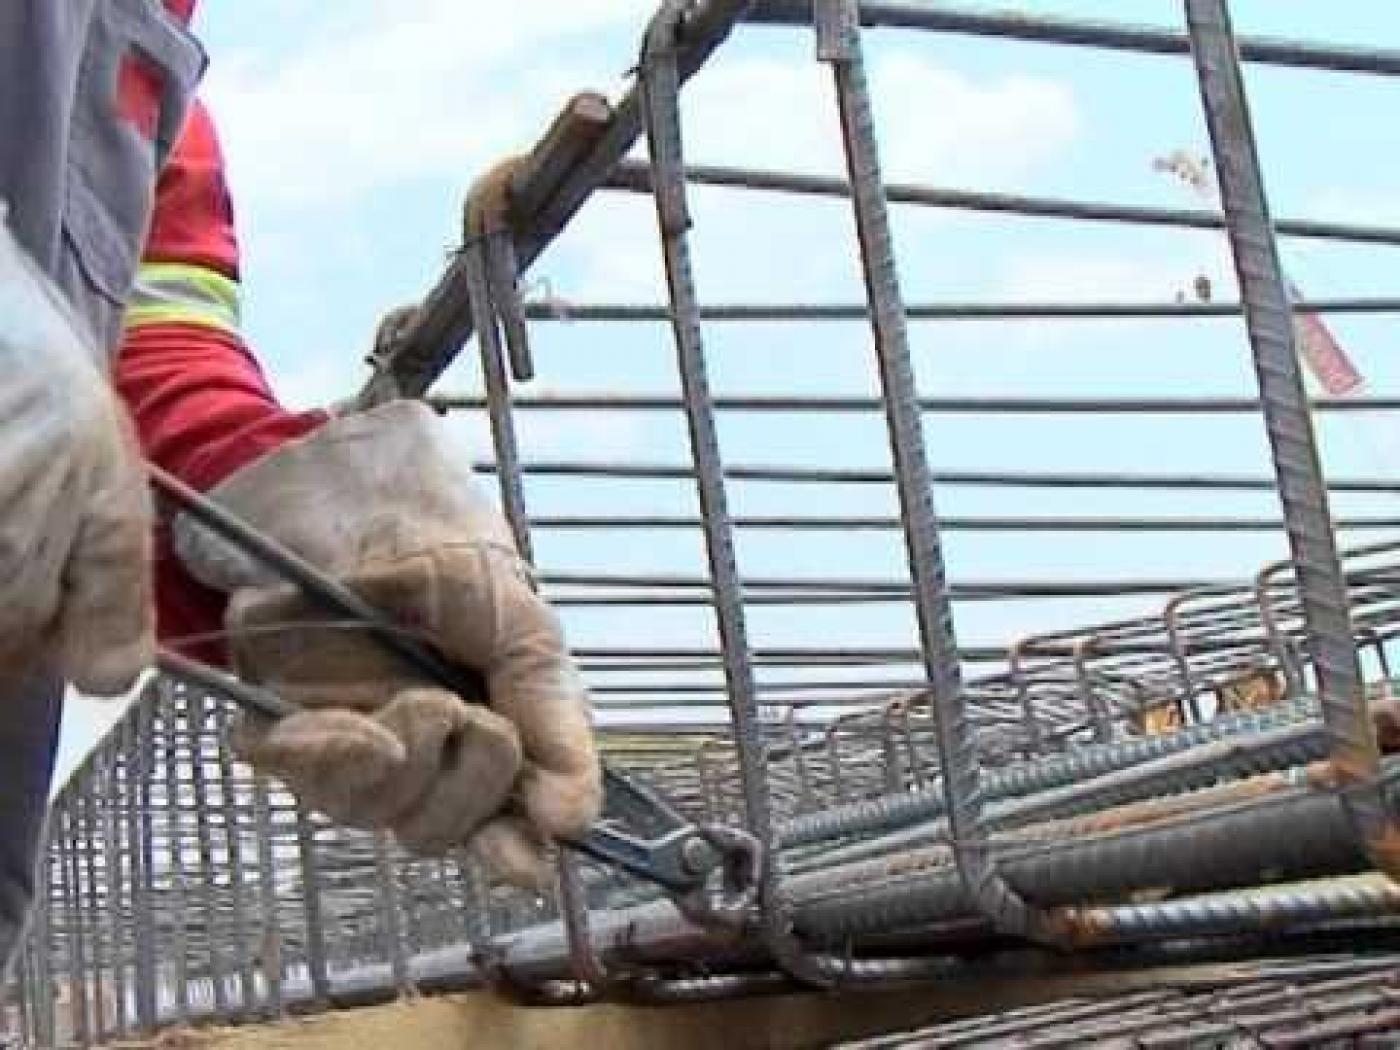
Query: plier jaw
[{"x": 710, "y": 871}]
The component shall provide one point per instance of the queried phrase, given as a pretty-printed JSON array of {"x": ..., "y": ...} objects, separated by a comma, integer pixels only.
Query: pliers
[{"x": 710, "y": 871}]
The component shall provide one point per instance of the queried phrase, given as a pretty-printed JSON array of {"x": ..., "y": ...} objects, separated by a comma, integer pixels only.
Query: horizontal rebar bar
[
  {"x": 1051, "y": 29},
  {"x": 634, "y": 177},
  {"x": 956, "y": 523},
  {"x": 623, "y": 401},
  {"x": 980, "y": 478},
  {"x": 562, "y": 309}
]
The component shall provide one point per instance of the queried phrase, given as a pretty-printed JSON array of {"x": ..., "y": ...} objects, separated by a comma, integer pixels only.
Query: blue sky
[{"x": 354, "y": 130}]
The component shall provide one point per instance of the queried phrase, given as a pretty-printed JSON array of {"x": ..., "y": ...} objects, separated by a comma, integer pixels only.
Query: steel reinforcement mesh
[{"x": 1123, "y": 696}]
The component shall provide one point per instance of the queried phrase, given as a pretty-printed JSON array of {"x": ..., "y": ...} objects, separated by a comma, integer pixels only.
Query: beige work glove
[
  {"x": 75, "y": 513},
  {"x": 381, "y": 501}
]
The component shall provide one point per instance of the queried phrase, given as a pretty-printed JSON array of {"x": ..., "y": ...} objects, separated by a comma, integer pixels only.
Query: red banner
[{"x": 1324, "y": 356}]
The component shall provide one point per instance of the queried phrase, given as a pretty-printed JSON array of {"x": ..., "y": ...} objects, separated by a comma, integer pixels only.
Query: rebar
[{"x": 1157, "y": 763}]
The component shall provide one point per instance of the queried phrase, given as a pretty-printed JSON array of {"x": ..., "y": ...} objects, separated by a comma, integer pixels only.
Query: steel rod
[
  {"x": 978, "y": 478},
  {"x": 1297, "y": 464},
  {"x": 1052, "y": 29},
  {"x": 633, "y": 177},
  {"x": 623, "y": 401},
  {"x": 565, "y": 310}
]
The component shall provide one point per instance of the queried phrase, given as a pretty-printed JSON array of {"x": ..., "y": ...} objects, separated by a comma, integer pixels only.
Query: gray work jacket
[{"x": 92, "y": 96}]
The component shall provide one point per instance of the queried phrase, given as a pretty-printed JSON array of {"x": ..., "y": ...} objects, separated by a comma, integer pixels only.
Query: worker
[{"x": 111, "y": 350}]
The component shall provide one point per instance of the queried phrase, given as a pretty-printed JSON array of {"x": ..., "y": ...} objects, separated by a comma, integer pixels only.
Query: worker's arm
[
  {"x": 383, "y": 502},
  {"x": 201, "y": 404}
]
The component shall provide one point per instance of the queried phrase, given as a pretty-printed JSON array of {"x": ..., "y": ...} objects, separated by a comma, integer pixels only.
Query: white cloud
[
  {"x": 934, "y": 123},
  {"x": 421, "y": 87},
  {"x": 1342, "y": 204},
  {"x": 1110, "y": 277}
]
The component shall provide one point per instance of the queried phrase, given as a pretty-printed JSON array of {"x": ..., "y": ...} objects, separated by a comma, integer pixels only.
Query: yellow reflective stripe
[{"x": 180, "y": 293}]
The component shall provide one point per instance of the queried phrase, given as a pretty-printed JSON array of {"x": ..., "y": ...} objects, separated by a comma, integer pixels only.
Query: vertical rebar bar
[
  {"x": 63, "y": 832},
  {"x": 175, "y": 841},
  {"x": 391, "y": 940},
  {"x": 659, "y": 81},
  {"x": 232, "y": 806},
  {"x": 41, "y": 959},
  {"x": 113, "y": 864},
  {"x": 270, "y": 940},
  {"x": 136, "y": 740},
  {"x": 197, "y": 725},
  {"x": 1302, "y": 488},
  {"x": 91, "y": 835},
  {"x": 839, "y": 44},
  {"x": 311, "y": 891}
]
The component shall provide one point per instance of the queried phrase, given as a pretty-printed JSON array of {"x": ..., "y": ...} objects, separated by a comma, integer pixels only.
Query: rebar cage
[{"x": 1133, "y": 750}]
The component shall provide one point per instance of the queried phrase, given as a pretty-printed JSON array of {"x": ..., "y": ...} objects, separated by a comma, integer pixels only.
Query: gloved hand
[
  {"x": 379, "y": 500},
  {"x": 75, "y": 514}
]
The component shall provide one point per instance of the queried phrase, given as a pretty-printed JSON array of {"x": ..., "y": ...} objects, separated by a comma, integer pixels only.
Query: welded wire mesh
[{"x": 1157, "y": 728}]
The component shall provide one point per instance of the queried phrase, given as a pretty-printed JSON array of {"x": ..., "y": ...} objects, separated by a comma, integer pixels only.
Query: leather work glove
[
  {"x": 75, "y": 512},
  {"x": 381, "y": 501}
]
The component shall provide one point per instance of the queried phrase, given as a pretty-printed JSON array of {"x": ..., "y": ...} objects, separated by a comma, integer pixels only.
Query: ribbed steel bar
[
  {"x": 633, "y": 177},
  {"x": 624, "y": 401},
  {"x": 566, "y": 311},
  {"x": 44, "y": 1002},
  {"x": 312, "y": 892},
  {"x": 238, "y": 869},
  {"x": 660, "y": 82},
  {"x": 998, "y": 478},
  {"x": 1289, "y": 834},
  {"x": 389, "y": 914},
  {"x": 63, "y": 835},
  {"x": 1303, "y": 1002},
  {"x": 1293, "y": 834},
  {"x": 839, "y": 44},
  {"x": 167, "y": 700},
  {"x": 114, "y": 861},
  {"x": 1045, "y": 775},
  {"x": 499, "y": 404},
  {"x": 1302, "y": 490},
  {"x": 1052, "y": 29},
  {"x": 1287, "y": 748},
  {"x": 1099, "y": 829},
  {"x": 968, "y": 523},
  {"x": 269, "y": 941},
  {"x": 139, "y": 819},
  {"x": 83, "y": 799}
]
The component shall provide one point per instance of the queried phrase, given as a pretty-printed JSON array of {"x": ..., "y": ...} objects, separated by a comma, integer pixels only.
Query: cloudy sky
[{"x": 354, "y": 129}]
